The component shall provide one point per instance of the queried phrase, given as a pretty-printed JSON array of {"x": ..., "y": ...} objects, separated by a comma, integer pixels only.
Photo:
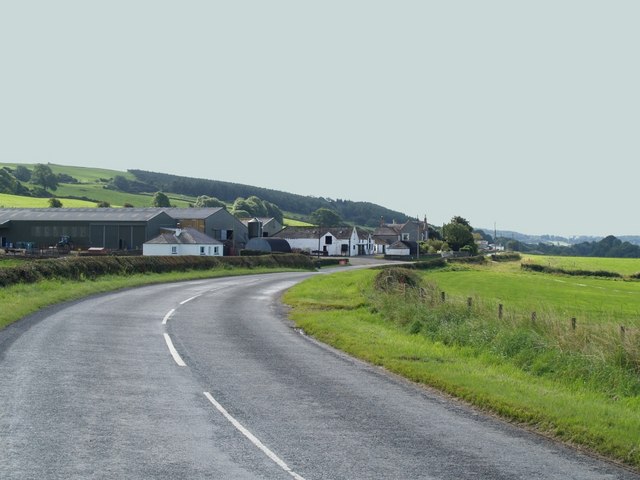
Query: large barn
[{"x": 112, "y": 228}]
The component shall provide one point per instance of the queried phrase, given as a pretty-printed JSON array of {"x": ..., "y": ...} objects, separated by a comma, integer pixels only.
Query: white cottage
[
  {"x": 334, "y": 241},
  {"x": 183, "y": 241}
]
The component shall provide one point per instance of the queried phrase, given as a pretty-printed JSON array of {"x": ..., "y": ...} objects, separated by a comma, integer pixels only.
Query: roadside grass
[
  {"x": 559, "y": 382},
  {"x": 16, "y": 201},
  {"x": 21, "y": 300}
]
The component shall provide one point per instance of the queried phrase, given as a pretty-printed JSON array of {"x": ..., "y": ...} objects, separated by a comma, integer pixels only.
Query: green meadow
[
  {"x": 588, "y": 299},
  {"x": 580, "y": 385},
  {"x": 16, "y": 201}
]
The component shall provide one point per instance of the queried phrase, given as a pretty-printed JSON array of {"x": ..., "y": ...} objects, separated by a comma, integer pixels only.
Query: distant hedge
[
  {"x": 506, "y": 257},
  {"x": 580, "y": 273},
  {"x": 80, "y": 268}
]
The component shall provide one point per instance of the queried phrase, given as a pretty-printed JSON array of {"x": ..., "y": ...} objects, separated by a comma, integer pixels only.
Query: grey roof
[
  {"x": 269, "y": 244},
  {"x": 79, "y": 214},
  {"x": 185, "y": 236},
  {"x": 201, "y": 213},
  {"x": 313, "y": 232},
  {"x": 264, "y": 220},
  {"x": 399, "y": 244}
]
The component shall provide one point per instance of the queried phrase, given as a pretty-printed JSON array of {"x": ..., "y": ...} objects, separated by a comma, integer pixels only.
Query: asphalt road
[{"x": 207, "y": 379}]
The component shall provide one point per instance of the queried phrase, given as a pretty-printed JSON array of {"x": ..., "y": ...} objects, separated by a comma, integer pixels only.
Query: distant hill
[
  {"x": 136, "y": 188},
  {"x": 358, "y": 213}
]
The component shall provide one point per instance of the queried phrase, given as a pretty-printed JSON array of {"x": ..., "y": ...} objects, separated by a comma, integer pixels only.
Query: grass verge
[
  {"x": 20, "y": 300},
  {"x": 339, "y": 310}
]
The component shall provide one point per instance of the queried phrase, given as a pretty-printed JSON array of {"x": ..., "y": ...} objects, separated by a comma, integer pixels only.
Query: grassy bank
[
  {"x": 579, "y": 386},
  {"x": 27, "y": 286}
]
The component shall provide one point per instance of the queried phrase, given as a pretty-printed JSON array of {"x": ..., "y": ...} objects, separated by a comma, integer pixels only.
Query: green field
[
  {"x": 15, "y": 201},
  {"x": 624, "y": 266},
  {"x": 579, "y": 385},
  {"x": 590, "y": 300}
]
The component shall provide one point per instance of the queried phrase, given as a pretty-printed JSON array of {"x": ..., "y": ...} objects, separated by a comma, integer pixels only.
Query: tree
[
  {"x": 55, "y": 203},
  {"x": 42, "y": 175},
  {"x": 161, "y": 200},
  {"x": 206, "y": 201},
  {"x": 458, "y": 234},
  {"x": 127, "y": 205},
  {"x": 326, "y": 218},
  {"x": 103, "y": 204},
  {"x": 22, "y": 173}
]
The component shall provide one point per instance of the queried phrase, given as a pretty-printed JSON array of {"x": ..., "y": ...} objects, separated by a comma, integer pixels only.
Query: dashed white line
[
  {"x": 168, "y": 316},
  {"x": 173, "y": 351},
  {"x": 252, "y": 438},
  {"x": 188, "y": 299}
]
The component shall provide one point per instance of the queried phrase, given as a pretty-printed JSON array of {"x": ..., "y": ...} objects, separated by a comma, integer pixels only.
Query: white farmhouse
[
  {"x": 183, "y": 241},
  {"x": 333, "y": 241}
]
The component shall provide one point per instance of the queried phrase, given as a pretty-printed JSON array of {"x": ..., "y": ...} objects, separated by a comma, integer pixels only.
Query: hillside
[{"x": 136, "y": 188}]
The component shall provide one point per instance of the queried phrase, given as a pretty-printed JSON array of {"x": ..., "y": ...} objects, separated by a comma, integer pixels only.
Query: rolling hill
[{"x": 136, "y": 188}]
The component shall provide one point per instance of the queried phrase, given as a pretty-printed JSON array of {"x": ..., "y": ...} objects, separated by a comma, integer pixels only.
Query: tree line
[
  {"x": 608, "y": 247},
  {"x": 359, "y": 213}
]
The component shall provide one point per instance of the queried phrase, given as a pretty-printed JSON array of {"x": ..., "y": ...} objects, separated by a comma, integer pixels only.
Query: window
[
  {"x": 174, "y": 250},
  {"x": 405, "y": 236},
  {"x": 202, "y": 250},
  {"x": 328, "y": 240},
  {"x": 215, "y": 250}
]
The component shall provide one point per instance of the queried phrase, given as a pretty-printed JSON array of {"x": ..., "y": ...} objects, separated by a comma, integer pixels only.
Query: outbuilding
[
  {"x": 269, "y": 245},
  {"x": 183, "y": 241}
]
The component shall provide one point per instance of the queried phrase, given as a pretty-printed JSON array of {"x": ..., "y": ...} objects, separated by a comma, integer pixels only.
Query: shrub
[
  {"x": 77, "y": 268},
  {"x": 395, "y": 278}
]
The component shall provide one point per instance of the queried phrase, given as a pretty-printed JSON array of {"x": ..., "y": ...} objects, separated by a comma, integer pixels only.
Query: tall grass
[{"x": 597, "y": 356}]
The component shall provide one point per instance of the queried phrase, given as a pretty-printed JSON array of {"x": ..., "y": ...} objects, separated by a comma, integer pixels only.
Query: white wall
[{"x": 152, "y": 249}]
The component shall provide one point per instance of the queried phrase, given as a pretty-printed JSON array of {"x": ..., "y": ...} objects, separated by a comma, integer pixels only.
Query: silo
[{"x": 255, "y": 228}]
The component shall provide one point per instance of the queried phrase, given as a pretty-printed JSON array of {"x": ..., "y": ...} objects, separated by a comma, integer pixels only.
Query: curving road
[{"x": 206, "y": 379}]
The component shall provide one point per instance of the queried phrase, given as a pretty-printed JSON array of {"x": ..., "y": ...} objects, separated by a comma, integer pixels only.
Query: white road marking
[
  {"x": 189, "y": 299},
  {"x": 168, "y": 316},
  {"x": 174, "y": 352},
  {"x": 252, "y": 438}
]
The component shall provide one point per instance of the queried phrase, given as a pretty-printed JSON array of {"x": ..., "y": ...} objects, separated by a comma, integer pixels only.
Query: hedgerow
[{"x": 80, "y": 268}]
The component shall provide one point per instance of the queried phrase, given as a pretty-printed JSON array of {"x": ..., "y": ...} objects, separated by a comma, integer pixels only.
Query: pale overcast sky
[{"x": 522, "y": 114}]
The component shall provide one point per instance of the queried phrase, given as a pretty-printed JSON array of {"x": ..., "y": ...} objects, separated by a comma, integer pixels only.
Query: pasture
[{"x": 590, "y": 300}]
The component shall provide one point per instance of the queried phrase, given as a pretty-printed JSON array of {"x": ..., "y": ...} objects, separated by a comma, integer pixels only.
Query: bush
[
  {"x": 79, "y": 268},
  {"x": 395, "y": 278},
  {"x": 506, "y": 257},
  {"x": 534, "y": 267}
]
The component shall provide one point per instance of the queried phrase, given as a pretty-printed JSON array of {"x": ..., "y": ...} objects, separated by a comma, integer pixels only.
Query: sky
[{"x": 520, "y": 115}]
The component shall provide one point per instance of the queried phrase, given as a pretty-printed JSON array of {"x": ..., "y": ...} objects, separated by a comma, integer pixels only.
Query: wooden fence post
[
  {"x": 533, "y": 316},
  {"x": 469, "y": 302},
  {"x": 500, "y": 308},
  {"x": 443, "y": 296},
  {"x": 622, "y": 332},
  {"x": 573, "y": 323}
]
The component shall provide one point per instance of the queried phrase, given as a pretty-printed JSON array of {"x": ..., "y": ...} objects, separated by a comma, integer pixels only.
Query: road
[{"x": 207, "y": 379}]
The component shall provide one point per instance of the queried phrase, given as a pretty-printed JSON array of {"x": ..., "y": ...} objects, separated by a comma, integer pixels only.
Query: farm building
[
  {"x": 334, "y": 241},
  {"x": 268, "y": 226},
  {"x": 112, "y": 228},
  {"x": 269, "y": 245},
  {"x": 216, "y": 222},
  {"x": 387, "y": 234},
  {"x": 183, "y": 241}
]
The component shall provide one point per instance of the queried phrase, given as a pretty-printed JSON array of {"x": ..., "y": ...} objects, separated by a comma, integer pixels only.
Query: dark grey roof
[
  {"x": 185, "y": 236},
  {"x": 200, "y": 213},
  {"x": 269, "y": 244},
  {"x": 80, "y": 214},
  {"x": 313, "y": 232}
]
